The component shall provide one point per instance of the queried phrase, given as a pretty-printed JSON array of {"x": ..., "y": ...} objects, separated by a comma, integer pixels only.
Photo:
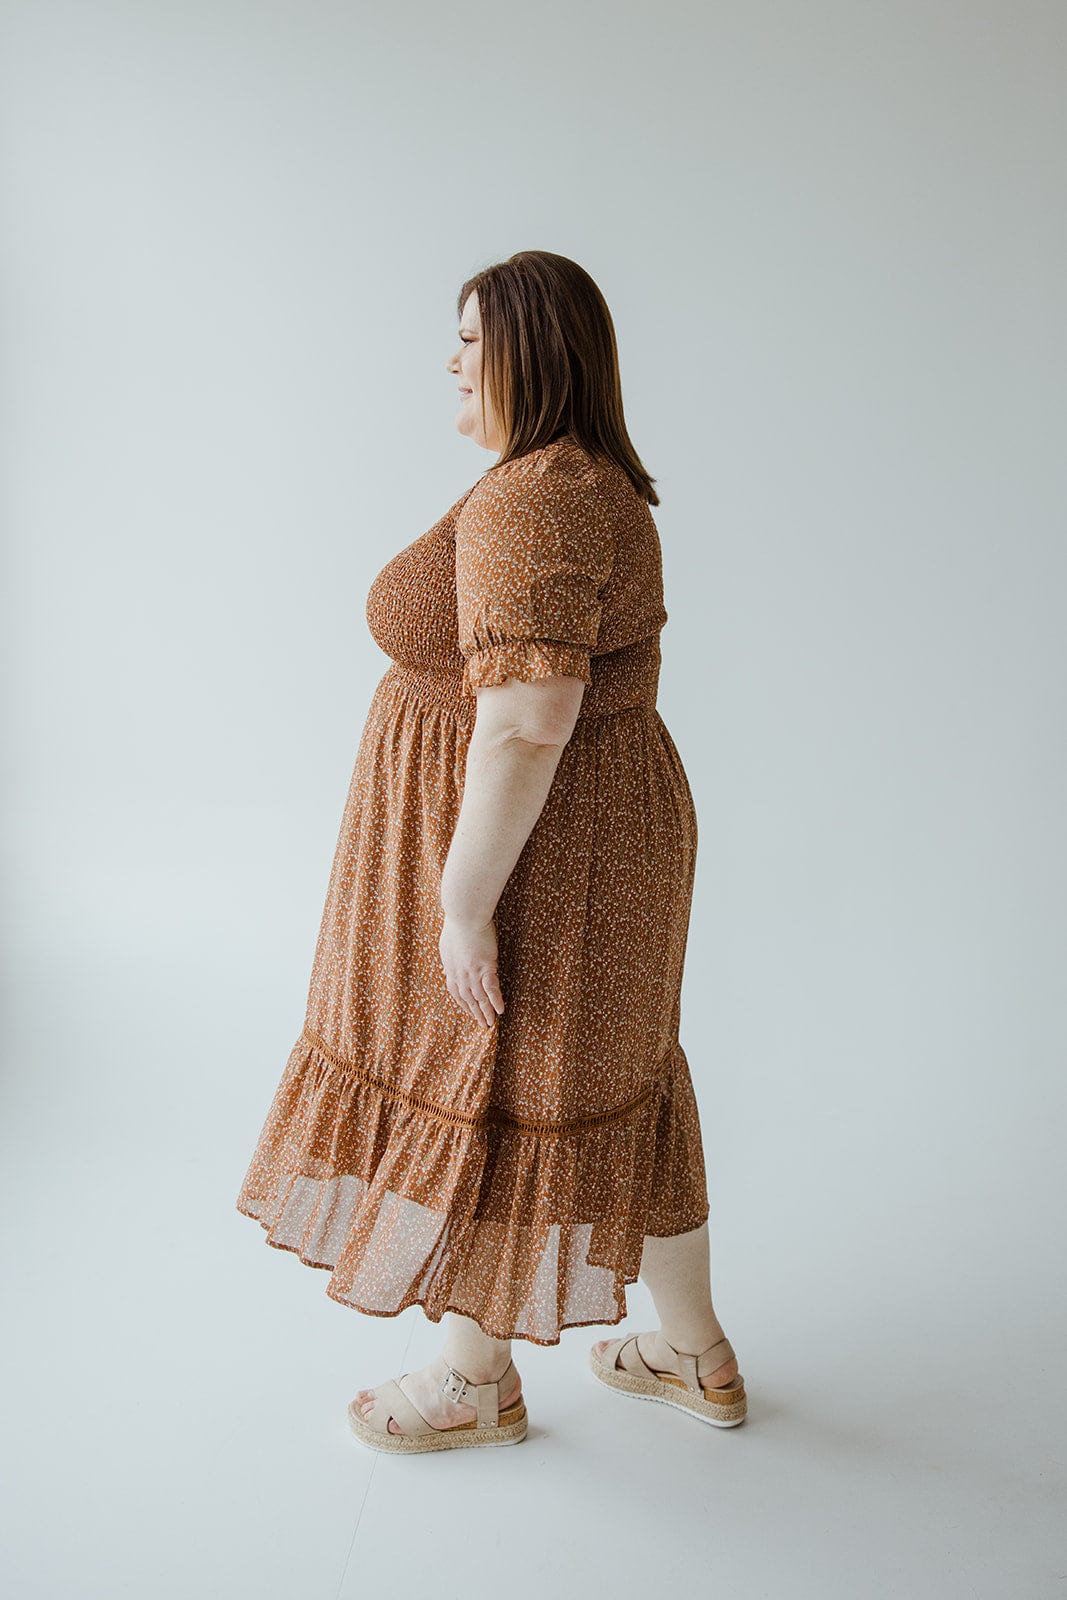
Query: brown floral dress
[{"x": 509, "y": 1173}]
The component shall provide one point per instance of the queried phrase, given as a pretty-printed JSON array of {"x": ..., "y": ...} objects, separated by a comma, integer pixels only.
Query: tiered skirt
[{"x": 509, "y": 1173}]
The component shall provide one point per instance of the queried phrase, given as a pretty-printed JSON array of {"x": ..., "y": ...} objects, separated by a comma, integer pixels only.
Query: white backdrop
[{"x": 832, "y": 237}]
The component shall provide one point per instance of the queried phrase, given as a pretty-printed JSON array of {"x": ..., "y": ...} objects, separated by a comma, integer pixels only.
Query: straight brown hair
[{"x": 551, "y": 361}]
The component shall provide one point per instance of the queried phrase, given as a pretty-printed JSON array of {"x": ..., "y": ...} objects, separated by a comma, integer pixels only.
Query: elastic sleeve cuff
[{"x": 527, "y": 659}]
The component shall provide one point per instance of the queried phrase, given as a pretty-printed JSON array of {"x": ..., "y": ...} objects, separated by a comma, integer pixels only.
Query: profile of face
[{"x": 466, "y": 365}]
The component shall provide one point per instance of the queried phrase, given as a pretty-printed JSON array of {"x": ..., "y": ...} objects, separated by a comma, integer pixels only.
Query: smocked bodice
[{"x": 534, "y": 595}]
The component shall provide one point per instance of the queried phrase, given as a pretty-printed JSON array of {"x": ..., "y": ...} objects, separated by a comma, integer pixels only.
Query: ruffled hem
[
  {"x": 528, "y": 1228},
  {"x": 528, "y": 659}
]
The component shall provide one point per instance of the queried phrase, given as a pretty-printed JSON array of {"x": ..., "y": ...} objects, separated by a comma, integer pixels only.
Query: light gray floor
[{"x": 176, "y": 1391}]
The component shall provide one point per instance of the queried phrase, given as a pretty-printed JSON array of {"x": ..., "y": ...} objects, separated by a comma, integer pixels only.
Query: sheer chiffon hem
[{"x": 526, "y": 1227}]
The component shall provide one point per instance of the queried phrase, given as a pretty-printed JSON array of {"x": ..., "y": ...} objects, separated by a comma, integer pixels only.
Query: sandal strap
[
  {"x": 484, "y": 1396},
  {"x": 688, "y": 1365},
  {"x": 391, "y": 1401},
  {"x": 625, "y": 1352}
]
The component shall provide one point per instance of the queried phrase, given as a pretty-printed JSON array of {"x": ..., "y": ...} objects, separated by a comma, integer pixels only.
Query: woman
[{"x": 489, "y": 1112}]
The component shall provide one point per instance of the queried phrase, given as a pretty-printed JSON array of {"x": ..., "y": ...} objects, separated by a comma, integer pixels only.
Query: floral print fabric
[{"x": 509, "y": 1173}]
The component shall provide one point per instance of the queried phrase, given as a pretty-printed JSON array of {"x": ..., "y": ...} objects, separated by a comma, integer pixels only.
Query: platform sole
[
  {"x": 465, "y": 1436},
  {"x": 718, "y": 1414}
]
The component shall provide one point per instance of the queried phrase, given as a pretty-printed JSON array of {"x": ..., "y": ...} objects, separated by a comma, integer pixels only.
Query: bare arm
[{"x": 521, "y": 729}]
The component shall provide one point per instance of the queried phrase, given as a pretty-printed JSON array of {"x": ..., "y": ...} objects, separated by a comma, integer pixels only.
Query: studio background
[{"x": 832, "y": 239}]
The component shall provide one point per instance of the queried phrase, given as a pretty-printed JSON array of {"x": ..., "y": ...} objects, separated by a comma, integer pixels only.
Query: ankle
[
  {"x": 478, "y": 1372},
  {"x": 694, "y": 1339}
]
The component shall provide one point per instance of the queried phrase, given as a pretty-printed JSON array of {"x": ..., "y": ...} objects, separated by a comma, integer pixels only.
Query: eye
[{"x": 465, "y": 341}]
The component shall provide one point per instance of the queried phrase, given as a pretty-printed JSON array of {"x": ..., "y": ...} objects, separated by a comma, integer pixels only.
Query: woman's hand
[{"x": 468, "y": 955}]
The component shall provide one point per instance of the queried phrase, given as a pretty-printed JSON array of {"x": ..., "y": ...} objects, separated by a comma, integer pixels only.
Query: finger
[
  {"x": 491, "y": 985},
  {"x": 490, "y": 991},
  {"x": 489, "y": 1014},
  {"x": 482, "y": 1012},
  {"x": 458, "y": 996},
  {"x": 487, "y": 997}
]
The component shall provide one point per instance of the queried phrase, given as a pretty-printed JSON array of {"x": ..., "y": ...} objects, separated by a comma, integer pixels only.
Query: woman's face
[{"x": 466, "y": 365}]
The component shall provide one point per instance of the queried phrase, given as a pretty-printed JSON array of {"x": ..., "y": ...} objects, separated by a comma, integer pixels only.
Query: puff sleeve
[{"x": 534, "y": 549}]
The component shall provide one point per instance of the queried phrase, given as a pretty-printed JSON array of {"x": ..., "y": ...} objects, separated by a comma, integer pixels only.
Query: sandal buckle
[{"x": 454, "y": 1384}]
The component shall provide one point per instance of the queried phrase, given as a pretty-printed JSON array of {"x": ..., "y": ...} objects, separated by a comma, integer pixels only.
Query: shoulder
[
  {"x": 542, "y": 513},
  {"x": 557, "y": 477},
  {"x": 562, "y": 461}
]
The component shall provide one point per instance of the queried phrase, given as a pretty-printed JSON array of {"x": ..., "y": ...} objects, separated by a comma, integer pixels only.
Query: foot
[
  {"x": 423, "y": 1389},
  {"x": 658, "y": 1355}
]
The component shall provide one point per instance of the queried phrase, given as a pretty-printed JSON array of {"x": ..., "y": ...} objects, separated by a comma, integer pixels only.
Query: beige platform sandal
[
  {"x": 621, "y": 1367},
  {"x": 491, "y": 1426}
]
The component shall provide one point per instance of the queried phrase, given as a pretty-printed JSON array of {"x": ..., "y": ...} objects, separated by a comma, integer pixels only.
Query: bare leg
[
  {"x": 678, "y": 1274},
  {"x": 471, "y": 1352}
]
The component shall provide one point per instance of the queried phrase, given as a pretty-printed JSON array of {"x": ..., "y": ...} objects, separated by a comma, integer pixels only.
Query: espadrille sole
[
  {"x": 510, "y": 1430},
  {"x": 671, "y": 1391}
]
